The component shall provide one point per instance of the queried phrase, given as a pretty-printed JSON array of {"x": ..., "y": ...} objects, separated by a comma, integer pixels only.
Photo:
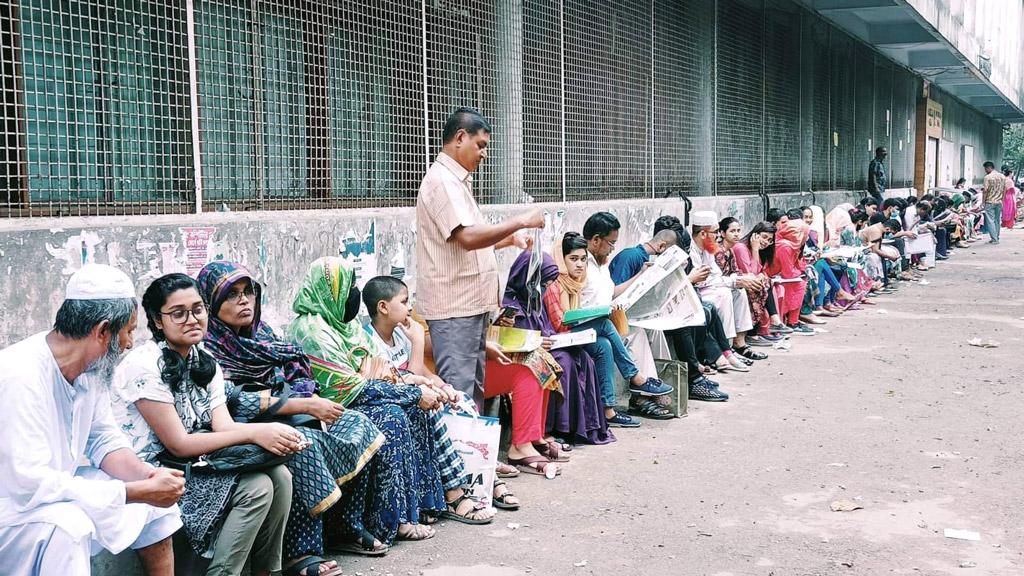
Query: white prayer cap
[
  {"x": 99, "y": 282},
  {"x": 704, "y": 218}
]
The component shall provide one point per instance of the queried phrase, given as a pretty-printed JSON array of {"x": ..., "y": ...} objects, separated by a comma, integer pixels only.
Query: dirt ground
[{"x": 891, "y": 410}]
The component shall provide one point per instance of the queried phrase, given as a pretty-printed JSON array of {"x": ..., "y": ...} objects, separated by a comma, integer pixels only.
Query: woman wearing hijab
[
  {"x": 788, "y": 264},
  {"x": 576, "y": 415},
  {"x": 261, "y": 370},
  {"x": 420, "y": 475}
]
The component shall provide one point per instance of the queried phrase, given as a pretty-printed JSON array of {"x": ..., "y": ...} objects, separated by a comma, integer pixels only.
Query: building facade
[{"x": 154, "y": 135}]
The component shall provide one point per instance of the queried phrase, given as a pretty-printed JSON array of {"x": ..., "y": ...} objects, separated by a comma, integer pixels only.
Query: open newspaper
[{"x": 662, "y": 298}]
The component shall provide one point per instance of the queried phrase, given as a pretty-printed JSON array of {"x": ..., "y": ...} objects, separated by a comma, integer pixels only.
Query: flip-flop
[
  {"x": 302, "y": 568},
  {"x": 552, "y": 451},
  {"x": 525, "y": 465},
  {"x": 364, "y": 547}
]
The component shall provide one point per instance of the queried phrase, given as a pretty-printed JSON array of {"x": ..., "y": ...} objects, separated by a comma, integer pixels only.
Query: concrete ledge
[{"x": 37, "y": 255}]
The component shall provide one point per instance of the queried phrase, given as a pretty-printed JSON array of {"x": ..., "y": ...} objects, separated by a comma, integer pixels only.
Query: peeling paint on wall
[{"x": 77, "y": 250}]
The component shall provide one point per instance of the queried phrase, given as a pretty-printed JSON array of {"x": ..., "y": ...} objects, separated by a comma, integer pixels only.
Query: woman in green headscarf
[{"x": 418, "y": 464}]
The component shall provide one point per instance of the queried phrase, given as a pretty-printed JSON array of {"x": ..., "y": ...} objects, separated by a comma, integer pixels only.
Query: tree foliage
[{"x": 1013, "y": 146}]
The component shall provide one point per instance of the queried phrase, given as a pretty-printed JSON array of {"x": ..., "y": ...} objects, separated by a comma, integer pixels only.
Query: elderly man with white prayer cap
[
  {"x": 726, "y": 292},
  {"x": 56, "y": 414}
]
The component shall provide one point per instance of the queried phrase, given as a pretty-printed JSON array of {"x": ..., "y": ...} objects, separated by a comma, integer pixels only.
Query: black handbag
[{"x": 236, "y": 459}]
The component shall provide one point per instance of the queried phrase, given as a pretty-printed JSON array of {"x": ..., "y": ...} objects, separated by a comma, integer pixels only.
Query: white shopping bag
[{"x": 476, "y": 439}]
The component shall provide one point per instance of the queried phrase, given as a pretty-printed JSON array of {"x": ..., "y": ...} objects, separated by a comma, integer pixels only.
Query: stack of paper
[{"x": 568, "y": 339}]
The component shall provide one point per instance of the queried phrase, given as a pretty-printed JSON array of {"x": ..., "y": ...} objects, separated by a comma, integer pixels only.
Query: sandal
[
  {"x": 470, "y": 516},
  {"x": 303, "y": 568},
  {"x": 528, "y": 465},
  {"x": 505, "y": 471},
  {"x": 501, "y": 500},
  {"x": 417, "y": 533},
  {"x": 750, "y": 354},
  {"x": 364, "y": 547},
  {"x": 428, "y": 519},
  {"x": 648, "y": 408},
  {"x": 552, "y": 451}
]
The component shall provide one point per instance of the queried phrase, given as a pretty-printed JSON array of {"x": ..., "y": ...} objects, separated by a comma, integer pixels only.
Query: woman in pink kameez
[
  {"x": 1009, "y": 201},
  {"x": 789, "y": 264}
]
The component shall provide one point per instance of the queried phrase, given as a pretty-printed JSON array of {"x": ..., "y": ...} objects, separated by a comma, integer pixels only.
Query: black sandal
[
  {"x": 364, "y": 547},
  {"x": 648, "y": 408},
  {"x": 452, "y": 511},
  {"x": 501, "y": 501},
  {"x": 749, "y": 353},
  {"x": 302, "y": 568}
]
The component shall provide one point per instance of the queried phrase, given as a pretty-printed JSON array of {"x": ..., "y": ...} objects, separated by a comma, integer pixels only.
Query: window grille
[
  {"x": 608, "y": 64},
  {"x": 95, "y": 108},
  {"x": 782, "y": 97},
  {"x": 303, "y": 104},
  {"x": 683, "y": 90},
  {"x": 846, "y": 152},
  {"x": 739, "y": 122}
]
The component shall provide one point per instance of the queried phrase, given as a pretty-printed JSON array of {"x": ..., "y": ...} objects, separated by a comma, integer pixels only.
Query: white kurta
[
  {"x": 721, "y": 292},
  {"x": 50, "y": 427}
]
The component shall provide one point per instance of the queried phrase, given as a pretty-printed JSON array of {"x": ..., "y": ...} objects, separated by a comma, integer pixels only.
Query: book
[
  {"x": 580, "y": 315},
  {"x": 778, "y": 280},
  {"x": 568, "y": 339},
  {"x": 515, "y": 339}
]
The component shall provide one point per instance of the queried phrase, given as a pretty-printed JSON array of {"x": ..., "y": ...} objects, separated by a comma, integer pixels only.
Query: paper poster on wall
[
  {"x": 360, "y": 251},
  {"x": 196, "y": 240}
]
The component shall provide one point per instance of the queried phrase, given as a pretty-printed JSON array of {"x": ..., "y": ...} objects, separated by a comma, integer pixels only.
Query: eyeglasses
[
  {"x": 180, "y": 315},
  {"x": 236, "y": 295},
  {"x": 609, "y": 242}
]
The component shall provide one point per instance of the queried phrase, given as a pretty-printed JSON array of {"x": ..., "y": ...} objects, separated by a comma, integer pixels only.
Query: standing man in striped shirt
[{"x": 457, "y": 285}]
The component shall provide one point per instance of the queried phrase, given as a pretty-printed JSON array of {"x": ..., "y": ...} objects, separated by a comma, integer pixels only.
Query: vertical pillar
[
  {"x": 708, "y": 99},
  {"x": 193, "y": 97}
]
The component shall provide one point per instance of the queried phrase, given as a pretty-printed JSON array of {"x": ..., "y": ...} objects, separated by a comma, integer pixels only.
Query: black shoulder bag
[{"x": 237, "y": 459}]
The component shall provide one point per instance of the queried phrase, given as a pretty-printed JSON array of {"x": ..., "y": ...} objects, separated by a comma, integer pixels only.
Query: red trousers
[{"x": 529, "y": 402}]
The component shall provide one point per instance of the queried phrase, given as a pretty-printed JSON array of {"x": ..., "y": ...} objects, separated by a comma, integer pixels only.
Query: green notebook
[{"x": 581, "y": 315}]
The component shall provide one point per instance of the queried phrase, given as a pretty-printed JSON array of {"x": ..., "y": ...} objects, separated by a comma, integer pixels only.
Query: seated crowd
[{"x": 338, "y": 421}]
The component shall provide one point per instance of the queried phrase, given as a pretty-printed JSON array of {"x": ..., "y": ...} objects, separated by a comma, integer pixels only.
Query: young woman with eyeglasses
[{"x": 168, "y": 394}]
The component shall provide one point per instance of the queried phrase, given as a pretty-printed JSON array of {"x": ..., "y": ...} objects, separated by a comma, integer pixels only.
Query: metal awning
[{"x": 896, "y": 29}]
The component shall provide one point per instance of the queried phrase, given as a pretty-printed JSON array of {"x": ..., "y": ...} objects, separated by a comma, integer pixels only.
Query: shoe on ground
[
  {"x": 767, "y": 340},
  {"x": 780, "y": 329},
  {"x": 651, "y": 387},
  {"x": 705, "y": 390},
  {"x": 803, "y": 330},
  {"x": 621, "y": 420}
]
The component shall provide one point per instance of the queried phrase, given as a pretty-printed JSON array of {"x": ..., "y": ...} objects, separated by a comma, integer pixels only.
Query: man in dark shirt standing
[{"x": 876, "y": 174}]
